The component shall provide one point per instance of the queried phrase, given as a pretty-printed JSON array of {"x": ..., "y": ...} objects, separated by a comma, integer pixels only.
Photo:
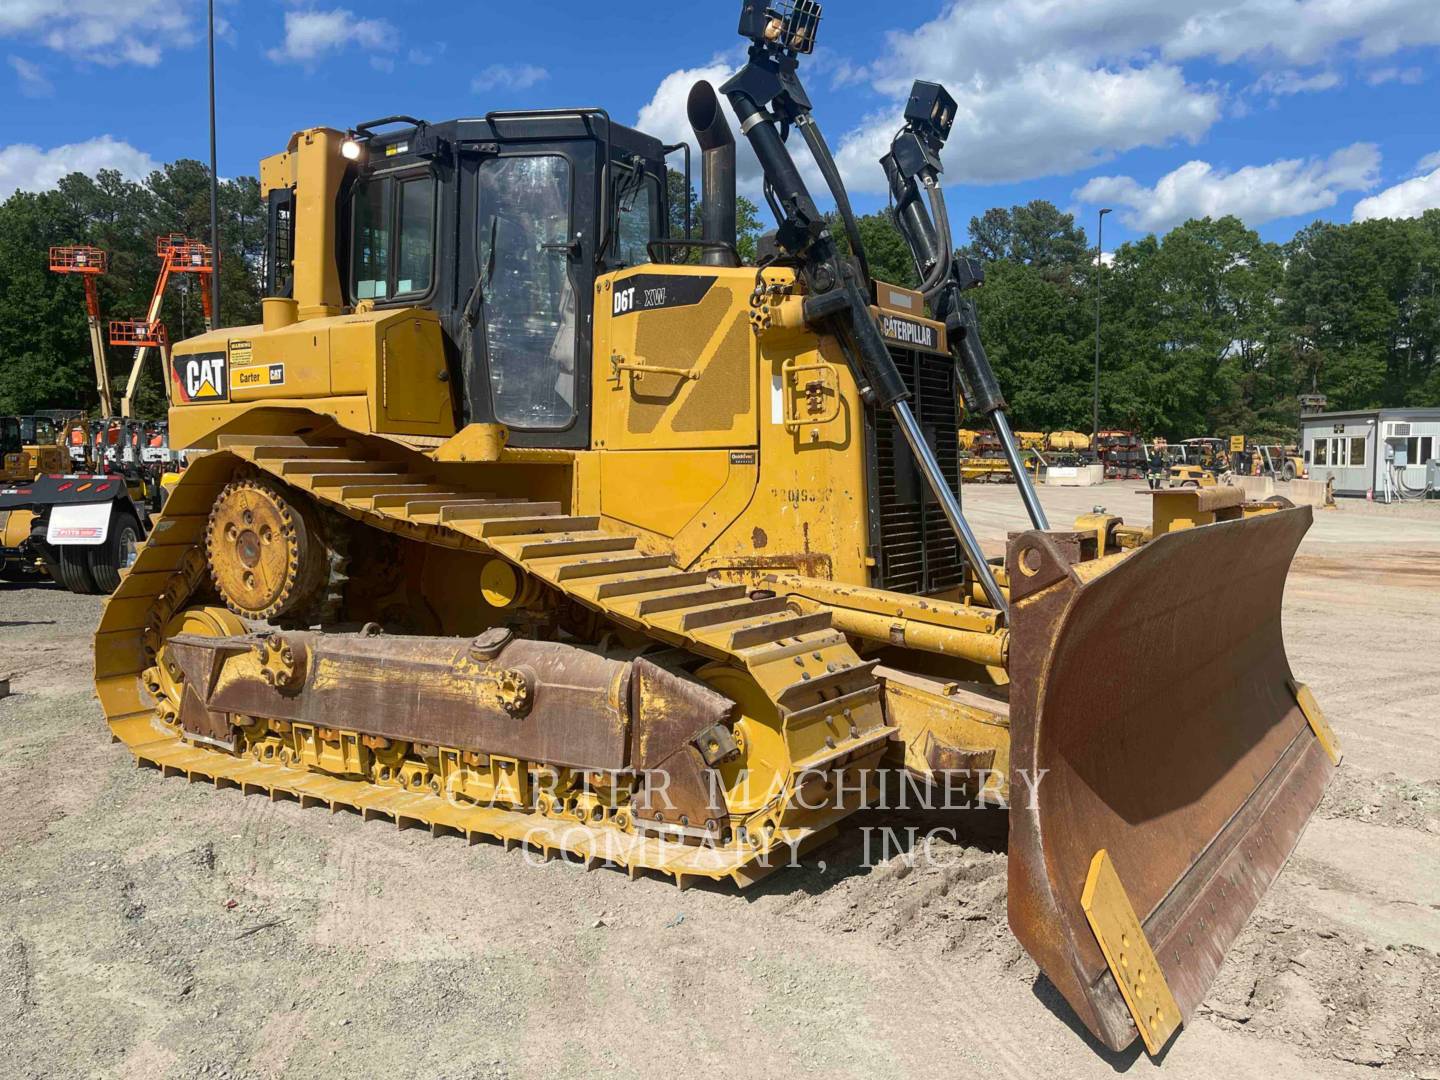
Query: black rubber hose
[
  {"x": 820, "y": 151},
  {"x": 946, "y": 244}
]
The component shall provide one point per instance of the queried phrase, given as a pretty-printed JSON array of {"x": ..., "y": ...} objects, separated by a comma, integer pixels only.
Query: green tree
[
  {"x": 45, "y": 359},
  {"x": 1191, "y": 325},
  {"x": 1036, "y": 234},
  {"x": 885, "y": 249},
  {"x": 1362, "y": 309}
]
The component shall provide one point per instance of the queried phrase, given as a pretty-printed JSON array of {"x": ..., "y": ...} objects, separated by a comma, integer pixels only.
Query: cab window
[
  {"x": 637, "y": 217},
  {"x": 392, "y": 249},
  {"x": 525, "y": 249},
  {"x": 37, "y": 430}
]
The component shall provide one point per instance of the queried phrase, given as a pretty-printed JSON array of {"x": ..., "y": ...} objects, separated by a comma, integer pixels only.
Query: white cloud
[
  {"x": 103, "y": 31},
  {"x": 1289, "y": 81},
  {"x": 309, "y": 35},
  {"x": 1255, "y": 194},
  {"x": 424, "y": 57},
  {"x": 508, "y": 77},
  {"x": 1410, "y": 76},
  {"x": 1408, "y": 199},
  {"x": 1052, "y": 117},
  {"x": 33, "y": 83},
  {"x": 1048, "y": 86},
  {"x": 25, "y": 167},
  {"x": 1302, "y": 31}
]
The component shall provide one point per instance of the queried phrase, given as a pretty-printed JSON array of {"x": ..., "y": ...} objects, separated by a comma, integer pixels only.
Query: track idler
[{"x": 493, "y": 720}]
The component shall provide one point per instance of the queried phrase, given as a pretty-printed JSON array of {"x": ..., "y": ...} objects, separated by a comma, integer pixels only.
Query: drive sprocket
[{"x": 268, "y": 555}]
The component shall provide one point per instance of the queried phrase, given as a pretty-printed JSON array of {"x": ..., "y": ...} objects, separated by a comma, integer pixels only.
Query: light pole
[
  {"x": 1099, "y": 252},
  {"x": 214, "y": 184}
]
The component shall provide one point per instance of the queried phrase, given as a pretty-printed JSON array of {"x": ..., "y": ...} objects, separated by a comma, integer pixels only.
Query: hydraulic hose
[
  {"x": 941, "y": 272},
  {"x": 928, "y": 238},
  {"x": 820, "y": 151}
]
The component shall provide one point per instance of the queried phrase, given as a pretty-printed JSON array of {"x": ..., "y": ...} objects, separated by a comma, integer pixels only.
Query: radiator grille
[{"x": 916, "y": 550}]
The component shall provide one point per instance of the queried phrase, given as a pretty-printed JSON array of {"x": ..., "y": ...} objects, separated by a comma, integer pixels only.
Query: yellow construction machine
[
  {"x": 29, "y": 446},
  {"x": 511, "y": 523}
]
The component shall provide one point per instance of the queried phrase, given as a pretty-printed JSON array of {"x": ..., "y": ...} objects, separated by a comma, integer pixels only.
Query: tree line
[
  {"x": 45, "y": 360},
  {"x": 1206, "y": 330}
]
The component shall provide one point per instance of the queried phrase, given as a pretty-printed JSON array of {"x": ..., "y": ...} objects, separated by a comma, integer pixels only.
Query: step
[
  {"x": 301, "y": 453},
  {"x": 624, "y": 564},
  {"x": 594, "y": 543},
  {"x": 769, "y": 633},
  {"x": 360, "y": 495},
  {"x": 371, "y": 477},
  {"x": 522, "y": 526},
  {"x": 337, "y": 466},
  {"x": 401, "y": 500},
  {"x": 430, "y": 507},
  {"x": 497, "y": 508},
  {"x": 720, "y": 614},
  {"x": 687, "y": 598},
  {"x": 649, "y": 582}
]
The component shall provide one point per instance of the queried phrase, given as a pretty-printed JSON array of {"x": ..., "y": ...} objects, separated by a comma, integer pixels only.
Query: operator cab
[
  {"x": 500, "y": 226},
  {"x": 38, "y": 430}
]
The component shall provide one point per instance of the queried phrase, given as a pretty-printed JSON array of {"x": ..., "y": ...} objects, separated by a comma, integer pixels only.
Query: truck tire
[
  {"x": 1288, "y": 471},
  {"x": 70, "y": 566},
  {"x": 107, "y": 560}
]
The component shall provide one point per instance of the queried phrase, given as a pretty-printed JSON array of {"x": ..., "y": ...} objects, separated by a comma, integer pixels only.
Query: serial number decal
[
  {"x": 907, "y": 332},
  {"x": 651, "y": 292}
]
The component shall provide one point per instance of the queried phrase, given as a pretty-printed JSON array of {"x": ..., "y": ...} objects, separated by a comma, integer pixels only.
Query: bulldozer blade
[{"x": 1154, "y": 717}]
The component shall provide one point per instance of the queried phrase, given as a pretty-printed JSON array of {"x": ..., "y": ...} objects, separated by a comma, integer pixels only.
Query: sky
[{"x": 1277, "y": 111}]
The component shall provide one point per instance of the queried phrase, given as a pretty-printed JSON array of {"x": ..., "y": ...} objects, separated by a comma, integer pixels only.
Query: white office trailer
[{"x": 1382, "y": 453}]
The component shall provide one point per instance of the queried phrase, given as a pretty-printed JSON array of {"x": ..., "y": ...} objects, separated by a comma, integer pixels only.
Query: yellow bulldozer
[{"x": 519, "y": 518}]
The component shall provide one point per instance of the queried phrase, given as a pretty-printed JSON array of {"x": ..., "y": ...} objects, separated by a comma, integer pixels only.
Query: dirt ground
[{"x": 150, "y": 928}]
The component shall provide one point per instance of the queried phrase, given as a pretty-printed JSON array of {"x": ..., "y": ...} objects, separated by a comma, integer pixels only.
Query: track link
[{"x": 826, "y": 698}]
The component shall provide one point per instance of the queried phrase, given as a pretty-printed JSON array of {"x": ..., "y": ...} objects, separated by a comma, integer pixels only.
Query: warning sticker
[{"x": 241, "y": 354}]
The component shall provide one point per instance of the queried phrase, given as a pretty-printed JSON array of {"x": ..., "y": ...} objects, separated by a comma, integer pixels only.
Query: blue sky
[{"x": 1279, "y": 111}]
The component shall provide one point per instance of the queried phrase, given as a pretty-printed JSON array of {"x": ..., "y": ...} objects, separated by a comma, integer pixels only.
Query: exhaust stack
[{"x": 717, "y": 173}]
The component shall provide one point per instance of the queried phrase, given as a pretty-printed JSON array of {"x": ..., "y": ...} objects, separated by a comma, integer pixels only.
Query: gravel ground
[{"x": 150, "y": 928}]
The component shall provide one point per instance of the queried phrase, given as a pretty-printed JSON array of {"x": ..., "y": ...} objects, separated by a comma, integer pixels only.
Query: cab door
[{"x": 528, "y": 255}]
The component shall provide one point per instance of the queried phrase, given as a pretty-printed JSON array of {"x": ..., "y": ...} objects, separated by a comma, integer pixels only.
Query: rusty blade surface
[{"x": 1150, "y": 695}]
